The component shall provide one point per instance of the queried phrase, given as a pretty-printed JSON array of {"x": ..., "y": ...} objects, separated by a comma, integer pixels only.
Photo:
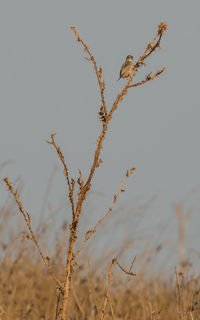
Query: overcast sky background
[{"x": 46, "y": 85}]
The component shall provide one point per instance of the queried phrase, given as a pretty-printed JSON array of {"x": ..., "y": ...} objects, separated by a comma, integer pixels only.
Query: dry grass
[{"x": 27, "y": 291}]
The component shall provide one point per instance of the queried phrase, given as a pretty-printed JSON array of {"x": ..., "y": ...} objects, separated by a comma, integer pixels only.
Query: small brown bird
[{"x": 126, "y": 68}]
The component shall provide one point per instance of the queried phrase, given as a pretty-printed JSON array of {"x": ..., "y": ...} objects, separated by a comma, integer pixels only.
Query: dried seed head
[{"x": 162, "y": 27}]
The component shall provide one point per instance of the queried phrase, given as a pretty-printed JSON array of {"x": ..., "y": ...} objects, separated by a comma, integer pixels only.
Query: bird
[{"x": 126, "y": 68}]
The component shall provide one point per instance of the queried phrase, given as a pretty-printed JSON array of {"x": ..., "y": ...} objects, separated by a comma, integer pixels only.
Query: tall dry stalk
[
  {"x": 181, "y": 313},
  {"x": 182, "y": 219},
  {"x": 107, "y": 297},
  {"x": 84, "y": 186}
]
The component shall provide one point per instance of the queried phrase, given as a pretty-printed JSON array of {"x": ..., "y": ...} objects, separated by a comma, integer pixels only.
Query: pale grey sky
[{"x": 46, "y": 85}]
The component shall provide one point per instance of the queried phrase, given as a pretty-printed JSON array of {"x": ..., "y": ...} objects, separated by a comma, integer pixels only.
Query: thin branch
[
  {"x": 57, "y": 305},
  {"x": 151, "y": 47},
  {"x": 150, "y": 309},
  {"x": 97, "y": 71},
  {"x": 32, "y": 237},
  {"x": 111, "y": 307},
  {"x": 191, "y": 316},
  {"x": 66, "y": 172},
  {"x": 124, "y": 270},
  {"x": 108, "y": 290},
  {"x": 116, "y": 196},
  {"x": 77, "y": 302},
  {"x": 148, "y": 78},
  {"x": 109, "y": 285},
  {"x": 132, "y": 263},
  {"x": 179, "y": 294},
  {"x": 82, "y": 195}
]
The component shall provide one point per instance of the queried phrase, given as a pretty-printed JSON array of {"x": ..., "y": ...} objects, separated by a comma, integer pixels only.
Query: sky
[{"x": 46, "y": 85}]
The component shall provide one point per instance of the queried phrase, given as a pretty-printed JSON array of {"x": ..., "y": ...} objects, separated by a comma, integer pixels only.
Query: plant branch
[
  {"x": 84, "y": 188},
  {"x": 32, "y": 237},
  {"x": 124, "y": 270},
  {"x": 149, "y": 77},
  {"x": 66, "y": 172},
  {"x": 108, "y": 290},
  {"x": 116, "y": 196},
  {"x": 97, "y": 71},
  {"x": 151, "y": 47},
  {"x": 109, "y": 284}
]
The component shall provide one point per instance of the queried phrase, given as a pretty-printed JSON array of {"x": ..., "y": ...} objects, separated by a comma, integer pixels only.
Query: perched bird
[{"x": 126, "y": 68}]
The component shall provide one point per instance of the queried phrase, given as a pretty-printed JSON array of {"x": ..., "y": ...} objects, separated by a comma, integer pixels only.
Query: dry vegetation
[
  {"x": 28, "y": 291},
  {"x": 43, "y": 287}
]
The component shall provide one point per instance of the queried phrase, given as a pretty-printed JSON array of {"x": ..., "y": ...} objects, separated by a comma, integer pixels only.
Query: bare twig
[
  {"x": 108, "y": 290},
  {"x": 77, "y": 302},
  {"x": 32, "y": 236},
  {"x": 148, "y": 78},
  {"x": 161, "y": 29},
  {"x": 151, "y": 47},
  {"x": 97, "y": 71},
  {"x": 132, "y": 263},
  {"x": 66, "y": 172},
  {"x": 109, "y": 285},
  {"x": 150, "y": 309},
  {"x": 116, "y": 196},
  {"x": 179, "y": 294},
  {"x": 153, "y": 314},
  {"x": 111, "y": 307},
  {"x": 57, "y": 306},
  {"x": 124, "y": 270},
  {"x": 191, "y": 316}
]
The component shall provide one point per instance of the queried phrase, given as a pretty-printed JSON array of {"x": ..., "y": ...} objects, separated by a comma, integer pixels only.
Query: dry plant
[
  {"x": 109, "y": 285},
  {"x": 105, "y": 115},
  {"x": 182, "y": 219},
  {"x": 181, "y": 313}
]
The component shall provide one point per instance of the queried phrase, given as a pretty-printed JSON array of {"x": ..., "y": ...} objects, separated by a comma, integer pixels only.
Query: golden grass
[{"x": 27, "y": 291}]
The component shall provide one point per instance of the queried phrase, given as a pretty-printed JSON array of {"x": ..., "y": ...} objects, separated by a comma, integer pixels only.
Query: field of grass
[{"x": 28, "y": 291}]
